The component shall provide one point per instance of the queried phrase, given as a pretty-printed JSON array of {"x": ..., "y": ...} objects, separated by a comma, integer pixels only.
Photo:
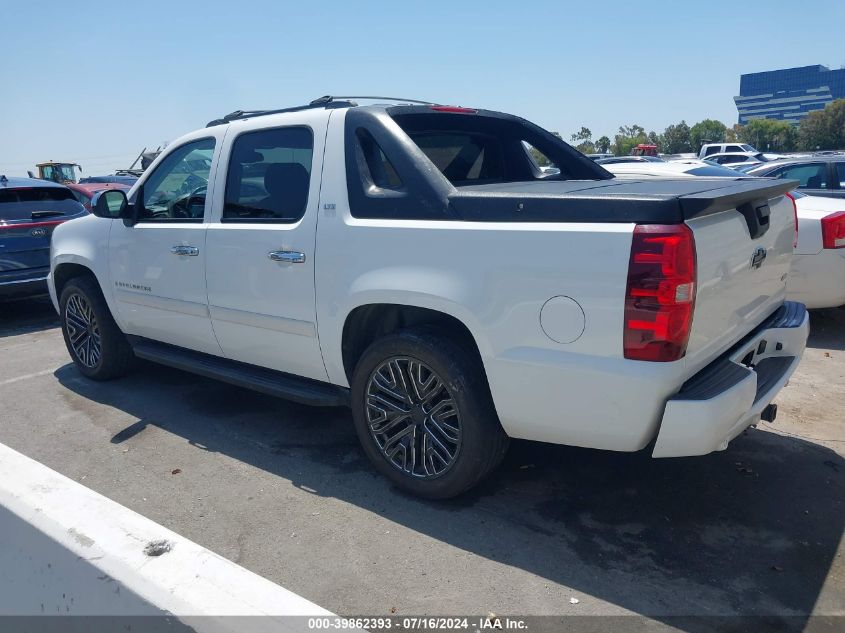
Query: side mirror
[{"x": 110, "y": 204}]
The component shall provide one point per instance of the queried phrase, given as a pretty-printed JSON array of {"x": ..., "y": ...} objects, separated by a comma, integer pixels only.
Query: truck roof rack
[{"x": 327, "y": 101}]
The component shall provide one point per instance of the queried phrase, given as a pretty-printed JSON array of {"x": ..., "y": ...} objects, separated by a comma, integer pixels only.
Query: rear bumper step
[{"x": 736, "y": 390}]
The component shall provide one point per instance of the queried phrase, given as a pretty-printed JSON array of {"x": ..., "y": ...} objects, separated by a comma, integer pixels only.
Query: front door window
[{"x": 175, "y": 191}]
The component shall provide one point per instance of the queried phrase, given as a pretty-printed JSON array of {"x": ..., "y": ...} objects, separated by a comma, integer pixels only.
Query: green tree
[
  {"x": 632, "y": 131},
  {"x": 733, "y": 133},
  {"x": 584, "y": 134},
  {"x": 583, "y": 140},
  {"x": 823, "y": 129},
  {"x": 770, "y": 135},
  {"x": 603, "y": 145},
  {"x": 706, "y": 131},
  {"x": 676, "y": 139},
  {"x": 628, "y": 137},
  {"x": 654, "y": 138}
]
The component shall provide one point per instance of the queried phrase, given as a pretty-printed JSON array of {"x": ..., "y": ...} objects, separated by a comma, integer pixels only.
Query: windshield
[{"x": 58, "y": 173}]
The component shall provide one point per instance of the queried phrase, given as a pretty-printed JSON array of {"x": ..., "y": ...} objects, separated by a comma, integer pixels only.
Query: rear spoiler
[
  {"x": 733, "y": 196},
  {"x": 751, "y": 201}
]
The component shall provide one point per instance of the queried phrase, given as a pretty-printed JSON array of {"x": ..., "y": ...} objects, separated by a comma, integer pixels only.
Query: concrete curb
[{"x": 67, "y": 550}]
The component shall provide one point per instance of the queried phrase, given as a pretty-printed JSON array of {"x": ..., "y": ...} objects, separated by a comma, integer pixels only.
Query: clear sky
[{"x": 94, "y": 82}]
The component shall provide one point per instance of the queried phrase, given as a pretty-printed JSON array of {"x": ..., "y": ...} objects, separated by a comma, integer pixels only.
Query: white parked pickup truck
[{"x": 413, "y": 262}]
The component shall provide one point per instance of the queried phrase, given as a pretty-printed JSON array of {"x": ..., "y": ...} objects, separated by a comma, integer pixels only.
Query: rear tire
[
  {"x": 424, "y": 415},
  {"x": 98, "y": 348}
]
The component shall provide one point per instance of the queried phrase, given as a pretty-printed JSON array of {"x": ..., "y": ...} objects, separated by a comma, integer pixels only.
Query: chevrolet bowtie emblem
[{"x": 758, "y": 257}]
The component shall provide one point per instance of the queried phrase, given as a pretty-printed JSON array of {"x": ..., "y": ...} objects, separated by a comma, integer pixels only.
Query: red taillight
[
  {"x": 833, "y": 230},
  {"x": 661, "y": 292},
  {"x": 455, "y": 109},
  {"x": 795, "y": 216}
]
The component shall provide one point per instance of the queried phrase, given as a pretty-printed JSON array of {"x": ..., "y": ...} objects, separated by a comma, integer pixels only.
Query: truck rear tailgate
[{"x": 743, "y": 242}]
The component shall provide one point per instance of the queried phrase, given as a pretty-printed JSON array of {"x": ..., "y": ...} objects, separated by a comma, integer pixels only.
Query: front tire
[
  {"x": 424, "y": 414},
  {"x": 98, "y": 348}
]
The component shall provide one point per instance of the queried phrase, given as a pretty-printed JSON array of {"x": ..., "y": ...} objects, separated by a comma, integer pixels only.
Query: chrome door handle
[
  {"x": 289, "y": 257},
  {"x": 182, "y": 249}
]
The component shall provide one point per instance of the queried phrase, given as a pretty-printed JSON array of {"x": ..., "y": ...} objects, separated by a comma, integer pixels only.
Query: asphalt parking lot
[{"x": 284, "y": 490}]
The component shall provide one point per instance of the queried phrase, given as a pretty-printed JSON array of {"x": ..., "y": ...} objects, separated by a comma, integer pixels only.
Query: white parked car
[
  {"x": 414, "y": 263},
  {"x": 738, "y": 159},
  {"x": 675, "y": 168},
  {"x": 708, "y": 149},
  {"x": 712, "y": 149},
  {"x": 817, "y": 276}
]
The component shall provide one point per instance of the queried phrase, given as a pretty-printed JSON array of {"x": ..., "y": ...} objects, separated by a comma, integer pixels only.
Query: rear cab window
[
  {"x": 388, "y": 176},
  {"x": 463, "y": 157},
  {"x": 470, "y": 149}
]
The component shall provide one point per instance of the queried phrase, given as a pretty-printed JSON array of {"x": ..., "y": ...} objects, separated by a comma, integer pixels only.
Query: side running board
[{"x": 271, "y": 382}]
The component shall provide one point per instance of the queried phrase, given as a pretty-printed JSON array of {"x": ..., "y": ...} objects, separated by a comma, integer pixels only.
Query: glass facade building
[{"x": 788, "y": 94}]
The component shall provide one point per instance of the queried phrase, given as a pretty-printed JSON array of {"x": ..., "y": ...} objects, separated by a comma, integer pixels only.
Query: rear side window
[
  {"x": 37, "y": 202},
  {"x": 269, "y": 176},
  {"x": 380, "y": 171},
  {"x": 840, "y": 171},
  {"x": 811, "y": 176}
]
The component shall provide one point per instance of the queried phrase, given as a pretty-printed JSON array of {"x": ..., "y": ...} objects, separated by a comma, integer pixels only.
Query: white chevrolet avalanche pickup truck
[{"x": 413, "y": 262}]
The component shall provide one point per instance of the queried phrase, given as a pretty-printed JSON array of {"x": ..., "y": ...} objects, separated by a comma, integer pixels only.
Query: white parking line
[
  {"x": 68, "y": 550},
  {"x": 10, "y": 381}
]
